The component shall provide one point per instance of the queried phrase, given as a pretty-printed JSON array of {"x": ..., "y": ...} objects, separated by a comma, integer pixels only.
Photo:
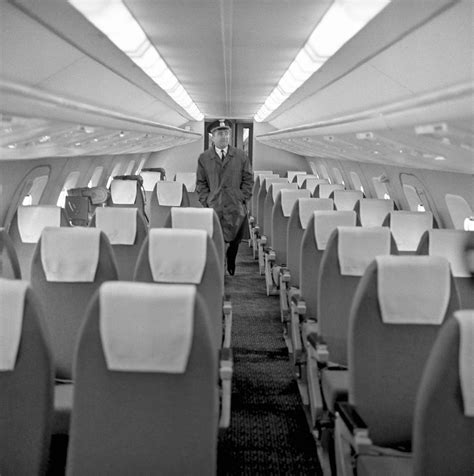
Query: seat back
[
  {"x": 320, "y": 226},
  {"x": 26, "y": 227},
  {"x": 26, "y": 380},
  {"x": 443, "y": 429},
  {"x": 146, "y": 395},
  {"x": 262, "y": 195},
  {"x": 185, "y": 256},
  {"x": 301, "y": 178},
  {"x": 126, "y": 229},
  {"x": 150, "y": 178},
  {"x": 189, "y": 180},
  {"x": 281, "y": 212},
  {"x": 373, "y": 211},
  {"x": 348, "y": 253},
  {"x": 9, "y": 264},
  {"x": 324, "y": 190},
  {"x": 69, "y": 264},
  {"x": 292, "y": 174},
  {"x": 200, "y": 219},
  {"x": 270, "y": 200},
  {"x": 395, "y": 317},
  {"x": 127, "y": 191},
  {"x": 166, "y": 194},
  {"x": 297, "y": 223},
  {"x": 450, "y": 244},
  {"x": 258, "y": 181},
  {"x": 407, "y": 228},
  {"x": 346, "y": 199},
  {"x": 310, "y": 183}
]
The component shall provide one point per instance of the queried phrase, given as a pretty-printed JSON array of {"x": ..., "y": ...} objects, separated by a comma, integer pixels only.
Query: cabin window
[
  {"x": 70, "y": 182},
  {"x": 129, "y": 169},
  {"x": 324, "y": 173},
  {"x": 95, "y": 177},
  {"x": 140, "y": 166},
  {"x": 356, "y": 183},
  {"x": 381, "y": 189},
  {"x": 415, "y": 201},
  {"x": 460, "y": 212},
  {"x": 35, "y": 191},
  {"x": 314, "y": 170},
  {"x": 115, "y": 171},
  {"x": 338, "y": 176}
]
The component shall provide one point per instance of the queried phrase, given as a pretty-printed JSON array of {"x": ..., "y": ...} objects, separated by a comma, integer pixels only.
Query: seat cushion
[
  {"x": 335, "y": 385},
  {"x": 62, "y": 408},
  {"x": 388, "y": 465}
]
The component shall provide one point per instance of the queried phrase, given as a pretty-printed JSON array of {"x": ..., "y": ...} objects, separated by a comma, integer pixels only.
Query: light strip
[
  {"x": 114, "y": 19},
  {"x": 340, "y": 23}
]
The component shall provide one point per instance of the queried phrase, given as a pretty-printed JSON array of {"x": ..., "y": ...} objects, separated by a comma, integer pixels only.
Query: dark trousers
[{"x": 233, "y": 247}]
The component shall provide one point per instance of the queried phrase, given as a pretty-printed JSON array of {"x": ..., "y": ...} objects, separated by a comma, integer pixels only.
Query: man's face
[{"x": 221, "y": 138}]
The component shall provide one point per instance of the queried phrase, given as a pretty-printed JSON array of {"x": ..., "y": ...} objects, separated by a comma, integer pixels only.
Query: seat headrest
[
  {"x": 146, "y": 327},
  {"x": 325, "y": 222},
  {"x": 324, "y": 190},
  {"x": 450, "y": 244},
  {"x": 270, "y": 180},
  {"x": 311, "y": 183},
  {"x": 413, "y": 289},
  {"x": 188, "y": 178},
  {"x": 262, "y": 176},
  {"x": 308, "y": 205},
  {"x": 177, "y": 255},
  {"x": 465, "y": 319},
  {"x": 289, "y": 198},
  {"x": 70, "y": 254},
  {"x": 292, "y": 174},
  {"x": 32, "y": 219},
  {"x": 407, "y": 228},
  {"x": 193, "y": 218},
  {"x": 257, "y": 173},
  {"x": 277, "y": 187},
  {"x": 119, "y": 224},
  {"x": 150, "y": 179},
  {"x": 301, "y": 178},
  {"x": 12, "y": 304},
  {"x": 123, "y": 192},
  {"x": 358, "y": 247},
  {"x": 346, "y": 199},
  {"x": 373, "y": 211},
  {"x": 169, "y": 194}
]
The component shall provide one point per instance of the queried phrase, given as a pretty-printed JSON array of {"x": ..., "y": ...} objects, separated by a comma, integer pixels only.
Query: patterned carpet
[{"x": 268, "y": 434}]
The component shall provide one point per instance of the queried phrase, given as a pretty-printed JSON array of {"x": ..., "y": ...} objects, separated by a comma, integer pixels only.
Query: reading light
[
  {"x": 340, "y": 23},
  {"x": 114, "y": 19}
]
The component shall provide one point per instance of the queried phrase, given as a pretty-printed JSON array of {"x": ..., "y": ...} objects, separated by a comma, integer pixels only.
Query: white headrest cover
[
  {"x": 270, "y": 180},
  {"x": 300, "y": 178},
  {"x": 193, "y": 218},
  {"x": 146, "y": 327},
  {"x": 262, "y": 176},
  {"x": 123, "y": 192},
  {"x": 374, "y": 210},
  {"x": 176, "y": 255},
  {"x": 70, "y": 254},
  {"x": 311, "y": 183},
  {"x": 407, "y": 228},
  {"x": 256, "y": 173},
  {"x": 325, "y": 222},
  {"x": 289, "y": 197},
  {"x": 169, "y": 194},
  {"x": 308, "y": 205},
  {"x": 325, "y": 189},
  {"x": 292, "y": 174},
  {"x": 189, "y": 180},
  {"x": 32, "y": 220},
  {"x": 357, "y": 247},
  {"x": 149, "y": 179},
  {"x": 119, "y": 224},
  {"x": 413, "y": 289},
  {"x": 12, "y": 303},
  {"x": 346, "y": 199},
  {"x": 450, "y": 245},
  {"x": 466, "y": 358},
  {"x": 277, "y": 187}
]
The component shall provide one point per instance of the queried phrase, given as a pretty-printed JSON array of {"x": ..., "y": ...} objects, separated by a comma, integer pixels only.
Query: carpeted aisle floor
[{"x": 268, "y": 434}]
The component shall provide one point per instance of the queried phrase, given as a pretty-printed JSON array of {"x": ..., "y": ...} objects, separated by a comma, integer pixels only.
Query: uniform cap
[{"x": 219, "y": 124}]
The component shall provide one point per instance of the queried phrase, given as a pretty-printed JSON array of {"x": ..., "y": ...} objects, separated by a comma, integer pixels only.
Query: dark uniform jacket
[{"x": 225, "y": 185}]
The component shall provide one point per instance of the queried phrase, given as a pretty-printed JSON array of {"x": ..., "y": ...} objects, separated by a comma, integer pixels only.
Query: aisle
[{"x": 268, "y": 433}]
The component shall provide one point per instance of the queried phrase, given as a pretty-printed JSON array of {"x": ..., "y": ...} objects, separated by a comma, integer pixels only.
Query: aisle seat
[
  {"x": 398, "y": 308},
  {"x": 26, "y": 227},
  {"x": 126, "y": 229},
  {"x": 26, "y": 381},
  {"x": 150, "y": 178},
  {"x": 9, "y": 264},
  {"x": 127, "y": 191},
  {"x": 373, "y": 211},
  {"x": 166, "y": 194},
  {"x": 146, "y": 396},
  {"x": 189, "y": 181},
  {"x": 346, "y": 199}
]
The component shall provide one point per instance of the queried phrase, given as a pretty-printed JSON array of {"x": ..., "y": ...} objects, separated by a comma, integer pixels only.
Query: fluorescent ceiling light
[
  {"x": 114, "y": 19},
  {"x": 340, "y": 23}
]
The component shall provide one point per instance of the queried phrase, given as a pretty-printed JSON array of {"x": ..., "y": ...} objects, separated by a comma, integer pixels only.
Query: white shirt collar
[{"x": 219, "y": 151}]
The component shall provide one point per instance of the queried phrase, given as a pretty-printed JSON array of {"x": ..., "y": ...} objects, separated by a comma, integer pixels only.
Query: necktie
[{"x": 222, "y": 154}]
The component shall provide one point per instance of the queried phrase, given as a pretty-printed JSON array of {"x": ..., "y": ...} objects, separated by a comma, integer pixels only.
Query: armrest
[
  {"x": 319, "y": 348},
  {"x": 271, "y": 254},
  {"x": 299, "y": 304},
  {"x": 263, "y": 240},
  {"x": 354, "y": 424},
  {"x": 227, "y": 310},
  {"x": 226, "y": 370},
  {"x": 251, "y": 220},
  {"x": 285, "y": 275}
]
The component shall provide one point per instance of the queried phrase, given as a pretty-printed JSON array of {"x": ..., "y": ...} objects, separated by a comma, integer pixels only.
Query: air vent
[{"x": 431, "y": 129}]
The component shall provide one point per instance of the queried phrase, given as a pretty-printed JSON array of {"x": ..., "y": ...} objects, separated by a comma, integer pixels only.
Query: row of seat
[{"x": 334, "y": 257}]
